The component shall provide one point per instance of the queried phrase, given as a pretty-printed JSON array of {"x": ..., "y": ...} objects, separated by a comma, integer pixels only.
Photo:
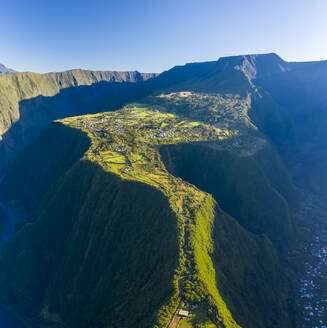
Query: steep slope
[
  {"x": 253, "y": 191},
  {"x": 95, "y": 247},
  {"x": 226, "y": 75},
  {"x": 30, "y": 101},
  {"x": 257, "y": 286},
  {"x": 51, "y": 155},
  {"x": 239, "y": 171},
  {"x": 288, "y": 103},
  {"x": 301, "y": 99},
  {"x": 100, "y": 254}
]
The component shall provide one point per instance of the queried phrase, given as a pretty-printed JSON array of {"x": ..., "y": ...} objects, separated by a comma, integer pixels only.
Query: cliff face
[
  {"x": 299, "y": 121},
  {"x": 255, "y": 190},
  {"x": 255, "y": 283},
  {"x": 30, "y": 101}
]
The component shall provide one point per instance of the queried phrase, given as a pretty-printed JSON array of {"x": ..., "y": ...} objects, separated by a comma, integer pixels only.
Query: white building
[{"x": 183, "y": 313}]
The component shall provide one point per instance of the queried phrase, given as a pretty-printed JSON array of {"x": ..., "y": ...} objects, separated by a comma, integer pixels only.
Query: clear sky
[{"x": 154, "y": 35}]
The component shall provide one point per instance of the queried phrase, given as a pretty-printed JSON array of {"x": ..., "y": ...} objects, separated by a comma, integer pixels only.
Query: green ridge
[
  {"x": 125, "y": 150},
  {"x": 134, "y": 134}
]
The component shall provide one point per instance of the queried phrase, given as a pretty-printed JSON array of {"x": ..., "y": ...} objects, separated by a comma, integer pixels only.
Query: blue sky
[{"x": 154, "y": 35}]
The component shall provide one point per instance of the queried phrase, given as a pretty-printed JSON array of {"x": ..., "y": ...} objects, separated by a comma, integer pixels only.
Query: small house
[{"x": 183, "y": 313}]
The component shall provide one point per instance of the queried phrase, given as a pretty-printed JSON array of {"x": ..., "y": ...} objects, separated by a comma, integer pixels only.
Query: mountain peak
[
  {"x": 267, "y": 56},
  {"x": 256, "y": 65},
  {"x": 5, "y": 70}
]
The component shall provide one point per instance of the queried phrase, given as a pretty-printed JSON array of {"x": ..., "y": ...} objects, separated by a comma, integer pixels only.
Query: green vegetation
[
  {"x": 30, "y": 101},
  {"x": 255, "y": 189},
  {"x": 133, "y": 188},
  {"x": 223, "y": 111},
  {"x": 48, "y": 160},
  {"x": 134, "y": 135},
  {"x": 19, "y": 86},
  {"x": 199, "y": 319},
  {"x": 180, "y": 197},
  {"x": 228, "y": 113},
  {"x": 95, "y": 254}
]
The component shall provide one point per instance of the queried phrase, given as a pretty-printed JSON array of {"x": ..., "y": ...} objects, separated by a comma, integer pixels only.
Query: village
[
  {"x": 122, "y": 136},
  {"x": 223, "y": 111},
  {"x": 126, "y": 142}
]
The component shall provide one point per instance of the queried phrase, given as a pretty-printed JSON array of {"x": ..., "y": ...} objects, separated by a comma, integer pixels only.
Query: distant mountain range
[{"x": 5, "y": 70}]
